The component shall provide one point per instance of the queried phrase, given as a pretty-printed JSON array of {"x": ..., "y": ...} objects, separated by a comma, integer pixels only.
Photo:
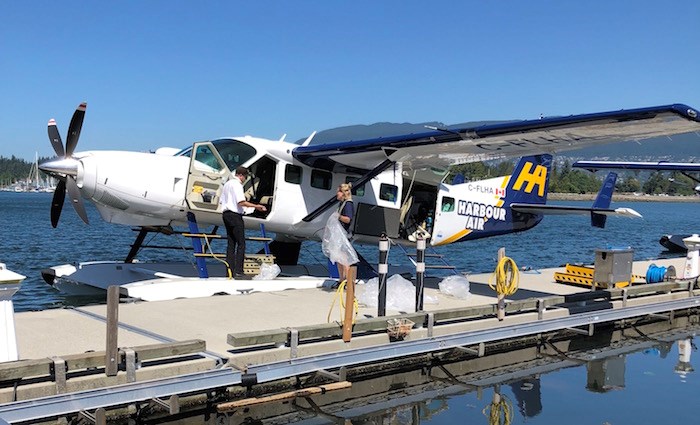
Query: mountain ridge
[{"x": 682, "y": 147}]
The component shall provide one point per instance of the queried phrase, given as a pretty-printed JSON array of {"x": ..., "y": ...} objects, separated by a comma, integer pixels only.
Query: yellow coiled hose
[
  {"x": 341, "y": 302},
  {"x": 500, "y": 411},
  {"x": 506, "y": 277}
]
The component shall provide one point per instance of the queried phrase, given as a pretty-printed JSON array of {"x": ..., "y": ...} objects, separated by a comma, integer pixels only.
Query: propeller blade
[
  {"x": 76, "y": 199},
  {"x": 76, "y": 124},
  {"x": 55, "y": 138},
  {"x": 59, "y": 195}
]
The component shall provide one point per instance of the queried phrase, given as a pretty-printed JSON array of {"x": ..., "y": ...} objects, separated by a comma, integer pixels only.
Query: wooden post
[
  {"x": 349, "y": 303},
  {"x": 111, "y": 352},
  {"x": 501, "y": 311}
]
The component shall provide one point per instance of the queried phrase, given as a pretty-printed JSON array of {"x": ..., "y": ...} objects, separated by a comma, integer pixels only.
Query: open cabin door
[
  {"x": 470, "y": 210},
  {"x": 208, "y": 173}
]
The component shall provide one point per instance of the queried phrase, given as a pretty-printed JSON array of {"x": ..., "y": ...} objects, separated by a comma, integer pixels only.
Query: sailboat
[{"x": 34, "y": 182}]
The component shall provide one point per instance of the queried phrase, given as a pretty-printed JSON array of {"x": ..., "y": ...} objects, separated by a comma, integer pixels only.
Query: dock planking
[{"x": 39, "y": 367}]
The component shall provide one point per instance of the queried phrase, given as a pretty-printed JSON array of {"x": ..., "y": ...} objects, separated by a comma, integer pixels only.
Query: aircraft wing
[
  {"x": 564, "y": 210},
  {"x": 660, "y": 166},
  {"x": 437, "y": 149}
]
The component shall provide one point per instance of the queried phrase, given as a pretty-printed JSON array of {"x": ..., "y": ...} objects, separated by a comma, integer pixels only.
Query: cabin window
[
  {"x": 321, "y": 179},
  {"x": 358, "y": 191},
  {"x": 292, "y": 174},
  {"x": 388, "y": 192},
  {"x": 448, "y": 204},
  {"x": 234, "y": 152}
]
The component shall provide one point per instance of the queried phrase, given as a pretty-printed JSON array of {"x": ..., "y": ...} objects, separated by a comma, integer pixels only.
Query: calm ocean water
[
  {"x": 652, "y": 391},
  {"x": 30, "y": 243}
]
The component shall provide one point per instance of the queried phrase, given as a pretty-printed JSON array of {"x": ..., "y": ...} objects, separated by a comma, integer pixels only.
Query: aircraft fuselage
[{"x": 154, "y": 189}]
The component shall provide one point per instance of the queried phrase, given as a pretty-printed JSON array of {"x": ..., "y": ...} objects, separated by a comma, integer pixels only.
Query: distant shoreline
[{"x": 627, "y": 197}]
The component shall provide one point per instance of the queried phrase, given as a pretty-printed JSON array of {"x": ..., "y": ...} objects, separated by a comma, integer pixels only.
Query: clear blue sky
[{"x": 168, "y": 73}]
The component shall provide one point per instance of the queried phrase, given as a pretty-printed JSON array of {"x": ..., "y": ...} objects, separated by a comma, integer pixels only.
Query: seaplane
[
  {"x": 673, "y": 243},
  {"x": 400, "y": 188}
]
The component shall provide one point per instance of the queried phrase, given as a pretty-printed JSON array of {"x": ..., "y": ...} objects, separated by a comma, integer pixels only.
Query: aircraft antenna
[
  {"x": 308, "y": 139},
  {"x": 445, "y": 130}
]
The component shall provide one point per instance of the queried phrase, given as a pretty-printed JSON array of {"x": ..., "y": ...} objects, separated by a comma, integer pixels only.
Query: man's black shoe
[{"x": 242, "y": 276}]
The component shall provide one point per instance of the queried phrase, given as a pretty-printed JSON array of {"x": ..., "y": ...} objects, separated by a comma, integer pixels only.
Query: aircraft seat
[
  {"x": 250, "y": 187},
  {"x": 267, "y": 200}
]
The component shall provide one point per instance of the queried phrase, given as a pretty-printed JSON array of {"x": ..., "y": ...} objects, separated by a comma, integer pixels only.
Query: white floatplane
[{"x": 399, "y": 182}]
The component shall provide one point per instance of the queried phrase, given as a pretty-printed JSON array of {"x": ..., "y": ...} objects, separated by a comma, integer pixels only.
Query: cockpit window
[
  {"x": 205, "y": 159},
  {"x": 234, "y": 152}
]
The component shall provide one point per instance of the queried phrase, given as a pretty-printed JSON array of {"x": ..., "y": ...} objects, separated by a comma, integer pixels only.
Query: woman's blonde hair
[{"x": 345, "y": 188}]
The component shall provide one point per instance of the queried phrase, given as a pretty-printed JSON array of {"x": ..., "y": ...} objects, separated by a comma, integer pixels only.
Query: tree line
[
  {"x": 564, "y": 179},
  {"x": 13, "y": 169}
]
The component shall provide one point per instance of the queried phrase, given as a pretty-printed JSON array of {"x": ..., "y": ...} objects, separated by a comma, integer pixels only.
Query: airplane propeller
[{"x": 65, "y": 168}]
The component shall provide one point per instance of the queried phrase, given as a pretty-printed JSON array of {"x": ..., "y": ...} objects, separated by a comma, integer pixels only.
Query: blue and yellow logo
[{"x": 537, "y": 177}]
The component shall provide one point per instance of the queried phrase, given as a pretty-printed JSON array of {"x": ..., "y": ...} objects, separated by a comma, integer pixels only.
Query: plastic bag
[
  {"x": 456, "y": 286},
  {"x": 400, "y": 294},
  {"x": 267, "y": 272},
  {"x": 336, "y": 245}
]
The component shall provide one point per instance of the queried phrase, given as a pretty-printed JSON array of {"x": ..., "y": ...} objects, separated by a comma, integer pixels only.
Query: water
[
  {"x": 652, "y": 391},
  {"x": 30, "y": 243}
]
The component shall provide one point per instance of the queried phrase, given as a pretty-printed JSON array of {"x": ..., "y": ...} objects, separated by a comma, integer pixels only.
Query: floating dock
[{"x": 188, "y": 352}]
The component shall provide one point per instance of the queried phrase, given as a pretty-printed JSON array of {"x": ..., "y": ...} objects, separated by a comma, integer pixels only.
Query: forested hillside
[{"x": 13, "y": 170}]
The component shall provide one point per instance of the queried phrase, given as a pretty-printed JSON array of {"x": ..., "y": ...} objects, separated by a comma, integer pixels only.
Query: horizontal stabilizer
[
  {"x": 623, "y": 165},
  {"x": 627, "y": 212},
  {"x": 568, "y": 210}
]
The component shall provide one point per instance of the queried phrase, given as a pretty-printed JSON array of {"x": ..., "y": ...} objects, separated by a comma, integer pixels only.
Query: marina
[{"x": 268, "y": 214}]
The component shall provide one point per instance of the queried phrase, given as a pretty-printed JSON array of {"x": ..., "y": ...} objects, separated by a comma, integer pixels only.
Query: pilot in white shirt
[{"x": 234, "y": 205}]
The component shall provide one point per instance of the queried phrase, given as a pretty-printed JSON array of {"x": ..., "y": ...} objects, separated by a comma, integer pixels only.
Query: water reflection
[
  {"x": 528, "y": 396},
  {"x": 606, "y": 374},
  {"x": 683, "y": 367},
  {"x": 589, "y": 379}
]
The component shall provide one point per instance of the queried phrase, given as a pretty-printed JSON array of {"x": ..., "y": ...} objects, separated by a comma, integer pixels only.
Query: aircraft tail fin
[
  {"x": 602, "y": 201},
  {"x": 529, "y": 183}
]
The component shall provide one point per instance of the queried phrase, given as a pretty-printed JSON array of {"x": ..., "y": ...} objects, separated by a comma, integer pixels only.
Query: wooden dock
[{"x": 238, "y": 341}]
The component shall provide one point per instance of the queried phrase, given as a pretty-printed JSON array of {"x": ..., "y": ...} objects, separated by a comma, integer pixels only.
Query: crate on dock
[
  {"x": 399, "y": 328},
  {"x": 612, "y": 266}
]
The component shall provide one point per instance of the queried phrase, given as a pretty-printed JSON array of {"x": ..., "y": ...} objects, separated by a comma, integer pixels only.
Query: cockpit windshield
[{"x": 232, "y": 151}]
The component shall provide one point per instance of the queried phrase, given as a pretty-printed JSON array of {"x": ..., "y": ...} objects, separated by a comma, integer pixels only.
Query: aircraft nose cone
[{"x": 63, "y": 166}]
